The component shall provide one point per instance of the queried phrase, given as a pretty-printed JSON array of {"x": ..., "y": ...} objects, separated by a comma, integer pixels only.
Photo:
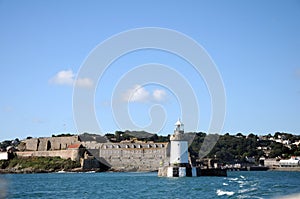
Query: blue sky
[{"x": 254, "y": 44}]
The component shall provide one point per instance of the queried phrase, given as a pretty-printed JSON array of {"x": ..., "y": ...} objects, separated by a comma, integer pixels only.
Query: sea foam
[{"x": 221, "y": 192}]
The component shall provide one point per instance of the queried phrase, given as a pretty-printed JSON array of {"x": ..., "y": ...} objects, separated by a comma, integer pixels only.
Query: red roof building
[{"x": 75, "y": 146}]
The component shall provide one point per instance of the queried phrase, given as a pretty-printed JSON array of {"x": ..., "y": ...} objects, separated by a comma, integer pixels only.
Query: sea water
[{"x": 262, "y": 184}]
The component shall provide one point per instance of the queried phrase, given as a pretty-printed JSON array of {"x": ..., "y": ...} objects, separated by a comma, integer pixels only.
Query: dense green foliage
[
  {"x": 237, "y": 148},
  {"x": 39, "y": 163},
  {"x": 63, "y": 135},
  {"x": 6, "y": 143},
  {"x": 140, "y": 135}
]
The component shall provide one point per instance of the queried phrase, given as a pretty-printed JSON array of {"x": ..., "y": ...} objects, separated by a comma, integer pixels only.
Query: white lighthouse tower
[
  {"x": 179, "y": 165},
  {"x": 179, "y": 157},
  {"x": 179, "y": 146}
]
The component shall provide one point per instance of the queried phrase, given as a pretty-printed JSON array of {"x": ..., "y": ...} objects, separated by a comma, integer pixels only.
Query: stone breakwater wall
[{"x": 124, "y": 156}]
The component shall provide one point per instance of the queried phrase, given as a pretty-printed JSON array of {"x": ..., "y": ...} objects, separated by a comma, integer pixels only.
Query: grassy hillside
[{"x": 38, "y": 164}]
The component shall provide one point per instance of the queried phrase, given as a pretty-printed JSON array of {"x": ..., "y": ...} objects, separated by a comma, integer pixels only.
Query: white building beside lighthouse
[{"x": 179, "y": 147}]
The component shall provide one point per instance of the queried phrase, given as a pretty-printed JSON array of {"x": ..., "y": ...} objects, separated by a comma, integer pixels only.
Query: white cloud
[
  {"x": 64, "y": 77},
  {"x": 159, "y": 95},
  {"x": 84, "y": 82},
  {"x": 140, "y": 94},
  {"x": 67, "y": 77},
  {"x": 136, "y": 94}
]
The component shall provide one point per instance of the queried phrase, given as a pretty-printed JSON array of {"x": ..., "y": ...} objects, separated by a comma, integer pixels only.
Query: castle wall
[
  {"x": 31, "y": 144},
  {"x": 125, "y": 156},
  {"x": 64, "y": 154},
  {"x": 49, "y": 144},
  {"x": 135, "y": 156}
]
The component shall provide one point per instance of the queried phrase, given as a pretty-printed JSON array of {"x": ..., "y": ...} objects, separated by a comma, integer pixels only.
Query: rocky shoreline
[
  {"x": 74, "y": 170},
  {"x": 80, "y": 170},
  {"x": 34, "y": 170}
]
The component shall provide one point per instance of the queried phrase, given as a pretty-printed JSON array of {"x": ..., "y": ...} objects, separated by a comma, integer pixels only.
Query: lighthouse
[
  {"x": 179, "y": 146},
  {"x": 179, "y": 165},
  {"x": 179, "y": 157}
]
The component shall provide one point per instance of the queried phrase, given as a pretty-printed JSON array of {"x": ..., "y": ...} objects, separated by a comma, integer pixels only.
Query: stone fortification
[
  {"x": 135, "y": 156},
  {"x": 64, "y": 154},
  {"x": 124, "y": 156},
  {"x": 51, "y": 147},
  {"x": 48, "y": 144}
]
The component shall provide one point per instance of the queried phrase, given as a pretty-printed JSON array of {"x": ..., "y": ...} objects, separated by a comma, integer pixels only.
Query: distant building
[
  {"x": 292, "y": 162},
  {"x": 270, "y": 162},
  {"x": 3, "y": 155},
  {"x": 296, "y": 143}
]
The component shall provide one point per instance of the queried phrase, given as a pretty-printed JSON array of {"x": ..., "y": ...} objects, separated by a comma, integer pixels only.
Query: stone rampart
[
  {"x": 64, "y": 154},
  {"x": 135, "y": 156},
  {"x": 48, "y": 144},
  {"x": 139, "y": 156}
]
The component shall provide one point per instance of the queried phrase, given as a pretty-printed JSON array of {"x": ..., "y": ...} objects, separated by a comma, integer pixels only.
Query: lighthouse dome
[{"x": 178, "y": 123}]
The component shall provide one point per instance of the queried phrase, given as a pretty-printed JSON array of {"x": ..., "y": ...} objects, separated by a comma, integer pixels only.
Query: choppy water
[{"x": 262, "y": 184}]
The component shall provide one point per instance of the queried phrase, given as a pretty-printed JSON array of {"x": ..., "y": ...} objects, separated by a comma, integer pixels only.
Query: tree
[
  {"x": 5, "y": 144},
  {"x": 239, "y": 135}
]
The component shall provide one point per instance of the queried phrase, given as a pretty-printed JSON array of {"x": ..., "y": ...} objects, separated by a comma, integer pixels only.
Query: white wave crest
[
  {"x": 221, "y": 193},
  {"x": 247, "y": 190}
]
